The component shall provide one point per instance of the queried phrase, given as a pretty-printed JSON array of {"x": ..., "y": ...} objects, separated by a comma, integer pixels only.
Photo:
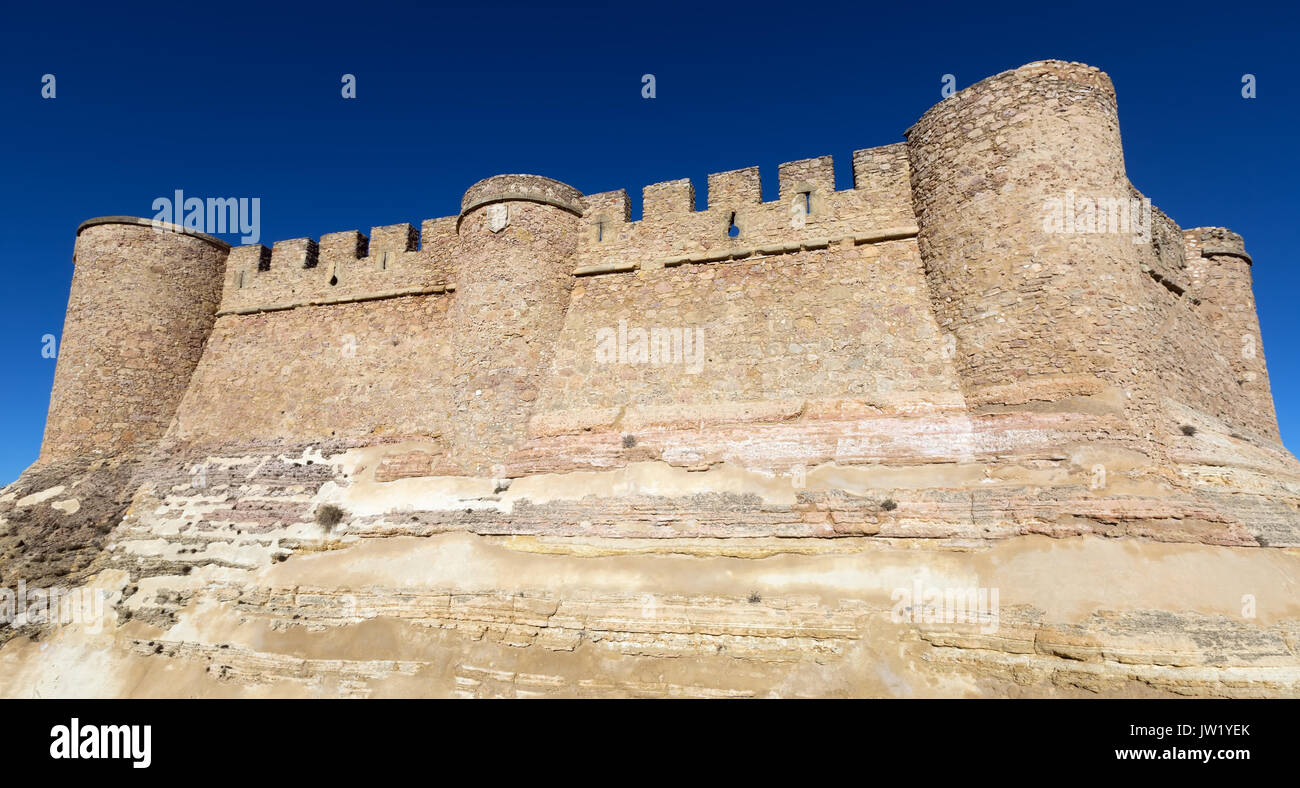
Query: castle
[
  {"x": 480, "y": 328},
  {"x": 974, "y": 346}
]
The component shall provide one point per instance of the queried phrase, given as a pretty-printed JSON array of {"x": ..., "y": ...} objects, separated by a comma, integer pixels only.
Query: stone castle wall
[
  {"x": 538, "y": 448},
  {"x": 930, "y": 284},
  {"x": 346, "y": 372},
  {"x": 767, "y": 335}
]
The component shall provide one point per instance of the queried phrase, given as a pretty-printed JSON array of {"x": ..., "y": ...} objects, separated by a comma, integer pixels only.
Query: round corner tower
[
  {"x": 143, "y": 300},
  {"x": 1221, "y": 274},
  {"x": 1002, "y": 173},
  {"x": 518, "y": 235}
]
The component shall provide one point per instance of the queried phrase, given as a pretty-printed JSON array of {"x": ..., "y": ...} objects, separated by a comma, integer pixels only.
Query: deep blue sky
[{"x": 227, "y": 100}]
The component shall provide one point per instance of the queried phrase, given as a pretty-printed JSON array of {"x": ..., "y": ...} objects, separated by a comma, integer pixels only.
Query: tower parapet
[
  {"x": 143, "y": 300},
  {"x": 522, "y": 188}
]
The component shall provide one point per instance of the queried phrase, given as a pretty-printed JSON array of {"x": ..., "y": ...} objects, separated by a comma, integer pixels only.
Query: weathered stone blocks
[{"x": 142, "y": 303}]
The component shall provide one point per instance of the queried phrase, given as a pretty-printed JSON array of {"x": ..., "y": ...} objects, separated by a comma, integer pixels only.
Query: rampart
[
  {"x": 733, "y": 448},
  {"x": 935, "y": 284}
]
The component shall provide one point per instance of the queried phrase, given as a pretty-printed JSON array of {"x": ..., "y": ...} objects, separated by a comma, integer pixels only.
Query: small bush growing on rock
[
  {"x": 1187, "y": 429},
  {"x": 888, "y": 505},
  {"x": 629, "y": 441},
  {"x": 328, "y": 516}
]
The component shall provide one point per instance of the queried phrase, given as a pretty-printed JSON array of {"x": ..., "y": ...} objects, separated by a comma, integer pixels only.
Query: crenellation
[
  {"x": 659, "y": 201},
  {"x": 737, "y": 223},
  {"x": 294, "y": 253},
  {"x": 613, "y": 206},
  {"x": 398, "y": 258},
  {"x": 880, "y": 168},
  {"x": 939, "y": 242},
  {"x": 344, "y": 247},
  {"x": 400, "y": 237},
  {"x": 243, "y": 265},
  {"x": 343, "y": 267},
  {"x": 735, "y": 189},
  {"x": 814, "y": 177},
  {"x": 605, "y": 218},
  {"x": 439, "y": 244}
]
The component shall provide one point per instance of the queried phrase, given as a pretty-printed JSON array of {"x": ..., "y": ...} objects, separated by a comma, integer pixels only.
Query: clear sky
[{"x": 234, "y": 100}]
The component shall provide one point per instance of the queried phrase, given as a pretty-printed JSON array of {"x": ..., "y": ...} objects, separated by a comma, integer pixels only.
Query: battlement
[
  {"x": 525, "y": 188},
  {"x": 930, "y": 282},
  {"x": 342, "y": 267},
  {"x": 808, "y": 213},
  {"x": 394, "y": 260}
]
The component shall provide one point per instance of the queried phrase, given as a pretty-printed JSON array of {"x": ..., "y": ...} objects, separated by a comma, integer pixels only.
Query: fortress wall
[
  {"x": 345, "y": 372},
  {"x": 671, "y": 230},
  {"x": 779, "y": 336},
  {"x": 1168, "y": 329},
  {"x": 139, "y": 312},
  {"x": 342, "y": 266},
  {"x": 1177, "y": 326},
  {"x": 1189, "y": 364},
  {"x": 932, "y": 284},
  {"x": 812, "y": 320},
  {"x": 809, "y": 330}
]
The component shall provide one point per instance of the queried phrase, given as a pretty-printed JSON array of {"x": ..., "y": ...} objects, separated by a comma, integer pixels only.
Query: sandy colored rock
[{"x": 906, "y": 438}]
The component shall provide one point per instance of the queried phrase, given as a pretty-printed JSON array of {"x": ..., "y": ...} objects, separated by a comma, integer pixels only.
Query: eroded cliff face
[{"x": 644, "y": 574}]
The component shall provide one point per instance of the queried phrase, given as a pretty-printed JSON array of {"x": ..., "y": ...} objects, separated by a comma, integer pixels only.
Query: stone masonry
[{"x": 540, "y": 448}]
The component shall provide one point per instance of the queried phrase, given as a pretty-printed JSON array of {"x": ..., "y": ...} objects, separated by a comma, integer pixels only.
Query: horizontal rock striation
[{"x": 901, "y": 439}]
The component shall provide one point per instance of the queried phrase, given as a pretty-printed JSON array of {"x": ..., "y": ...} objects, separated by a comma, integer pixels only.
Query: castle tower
[
  {"x": 1220, "y": 270},
  {"x": 518, "y": 235},
  {"x": 1037, "y": 308},
  {"x": 142, "y": 303}
]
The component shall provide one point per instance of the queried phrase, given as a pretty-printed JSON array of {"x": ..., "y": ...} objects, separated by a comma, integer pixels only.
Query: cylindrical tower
[
  {"x": 1018, "y": 184},
  {"x": 143, "y": 300},
  {"x": 518, "y": 235},
  {"x": 1220, "y": 270}
]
